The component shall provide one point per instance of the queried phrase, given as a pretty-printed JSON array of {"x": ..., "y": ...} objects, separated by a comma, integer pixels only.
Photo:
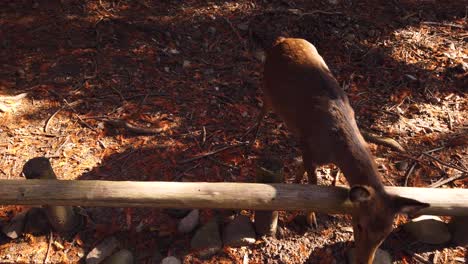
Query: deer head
[{"x": 373, "y": 215}]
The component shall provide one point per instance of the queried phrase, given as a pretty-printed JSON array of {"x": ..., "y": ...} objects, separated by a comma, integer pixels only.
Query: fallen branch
[
  {"x": 124, "y": 124},
  {"x": 445, "y": 163},
  {"x": 451, "y": 179},
  {"x": 413, "y": 166},
  {"x": 12, "y": 98},
  {"x": 443, "y": 24},
  {"x": 204, "y": 155},
  {"x": 326, "y": 199},
  {"x": 384, "y": 141}
]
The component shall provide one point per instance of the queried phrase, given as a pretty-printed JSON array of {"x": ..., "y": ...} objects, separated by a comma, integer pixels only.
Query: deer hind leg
[{"x": 310, "y": 166}]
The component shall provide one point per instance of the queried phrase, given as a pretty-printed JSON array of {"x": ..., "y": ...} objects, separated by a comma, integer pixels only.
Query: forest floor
[{"x": 190, "y": 72}]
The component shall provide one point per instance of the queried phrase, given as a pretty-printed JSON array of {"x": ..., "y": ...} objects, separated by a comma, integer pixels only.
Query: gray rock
[
  {"x": 123, "y": 256},
  {"x": 458, "y": 227},
  {"x": 102, "y": 250},
  {"x": 15, "y": 227},
  {"x": 381, "y": 256},
  {"x": 207, "y": 240},
  {"x": 171, "y": 260},
  {"x": 239, "y": 232},
  {"x": 189, "y": 222},
  {"x": 428, "y": 229}
]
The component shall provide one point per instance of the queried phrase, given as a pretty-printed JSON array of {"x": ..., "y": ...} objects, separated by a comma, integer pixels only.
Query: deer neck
[{"x": 357, "y": 163}]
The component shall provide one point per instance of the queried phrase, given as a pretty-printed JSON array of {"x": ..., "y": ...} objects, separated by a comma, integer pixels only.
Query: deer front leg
[{"x": 310, "y": 167}]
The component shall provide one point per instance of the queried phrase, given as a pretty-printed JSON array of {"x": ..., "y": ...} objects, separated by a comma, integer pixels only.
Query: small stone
[
  {"x": 350, "y": 37},
  {"x": 208, "y": 71},
  {"x": 171, "y": 260},
  {"x": 123, "y": 256},
  {"x": 410, "y": 77},
  {"x": 15, "y": 227},
  {"x": 295, "y": 11},
  {"x": 174, "y": 51},
  {"x": 102, "y": 250},
  {"x": 186, "y": 64},
  {"x": 458, "y": 226},
  {"x": 380, "y": 257},
  {"x": 239, "y": 232},
  {"x": 212, "y": 30},
  {"x": 188, "y": 223},
  {"x": 207, "y": 240},
  {"x": 428, "y": 229},
  {"x": 259, "y": 55},
  {"x": 402, "y": 165},
  {"x": 243, "y": 26},
  {"x": 140, "y": 227}
]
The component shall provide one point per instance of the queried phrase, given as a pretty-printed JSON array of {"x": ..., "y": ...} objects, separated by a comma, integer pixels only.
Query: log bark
[{"x": 256, "y": 196}]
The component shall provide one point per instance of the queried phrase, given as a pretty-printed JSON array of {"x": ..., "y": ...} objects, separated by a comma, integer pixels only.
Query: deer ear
[
  {"x": 408, "y": 206},
  {"x": 359, "y": 194}
]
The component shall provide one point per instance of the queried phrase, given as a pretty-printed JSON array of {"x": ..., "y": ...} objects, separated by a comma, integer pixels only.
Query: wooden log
[{"x": 256, "y": 196}]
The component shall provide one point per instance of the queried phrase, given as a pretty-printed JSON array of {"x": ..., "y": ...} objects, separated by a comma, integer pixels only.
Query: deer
[{"x": 300, "y": 88}]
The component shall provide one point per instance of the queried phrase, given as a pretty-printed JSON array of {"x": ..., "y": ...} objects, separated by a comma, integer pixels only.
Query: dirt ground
[{"x": 188, "y": 74}]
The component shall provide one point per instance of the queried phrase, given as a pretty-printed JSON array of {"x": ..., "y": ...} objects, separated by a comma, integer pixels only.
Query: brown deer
[{"x": 300, "y": 88}]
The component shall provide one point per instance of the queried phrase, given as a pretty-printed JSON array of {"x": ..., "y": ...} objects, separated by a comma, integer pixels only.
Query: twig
[
  {"x": 322, "y": 12},
  {"x": 46, "y": 126},
  {"x": 48, "y": 248},
  {"x": 436, "y": 257},
  {"x": 421, "y": 259},
  {"x": 410, "y": 171},
  {"x": 453, "y": 178},
  {"x": 204, "y": 155},
  {"x": 445, "y": 163},
  {"x": 223, "y": 163},
  {"x": 235, "y": 32},
  {"x": 408, "y": 174},
  {"x": 450, "y": 121},
  {"x": 336, "y": 177},
  {"x": 204, "y": 136},
  {"x": 443, "y": 24},
  {"x": 71, "y": 106},
  {"x": 178, "y": 176}
]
